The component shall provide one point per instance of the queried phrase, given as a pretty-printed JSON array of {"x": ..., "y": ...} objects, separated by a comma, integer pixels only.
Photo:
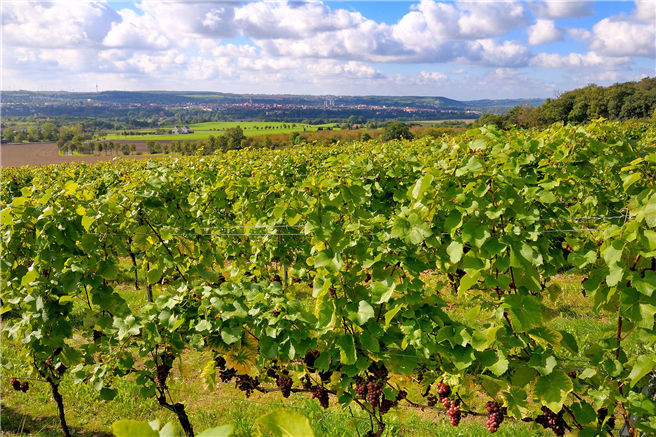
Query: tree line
[{"x": 618, "y": 102}]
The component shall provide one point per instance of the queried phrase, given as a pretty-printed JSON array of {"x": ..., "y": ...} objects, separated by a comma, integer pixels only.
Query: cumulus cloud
[
  {"x": 298, "y": 44},
  {"x": 137, "y": 32},
  {"x": 187, "y": 19},
  {"x": 262, "y": 20},
  {"x": 617, "y": 37},
  {"x": 56, "y": 25},
  {"x": 544, "y": 32},
  {"x": 645, "y": 11},
  {"x": 558, "y": 9},
  {"x": 575, "y": 61}
]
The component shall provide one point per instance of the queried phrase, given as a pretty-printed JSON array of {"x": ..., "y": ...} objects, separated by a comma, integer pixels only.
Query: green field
[
  {"x": 202, "y": 131},
  {"x": 442, "y": 122}
]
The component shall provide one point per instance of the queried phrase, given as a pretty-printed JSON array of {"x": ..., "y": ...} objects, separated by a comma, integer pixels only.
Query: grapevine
[{"x": 373, "y": 236}]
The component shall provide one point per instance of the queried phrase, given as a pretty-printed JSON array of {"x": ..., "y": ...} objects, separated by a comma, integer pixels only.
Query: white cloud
[
  {"x": 138, "y": 32},
  {"x": 558, "y": 9},
  {"x": 616, "y": 37},
  {"x": 645, "y": 11},
  {"x": 544, "y": 32},
  {"x": 187, "y": 19},
  {"x": 485, "y": 20},
  {"x": 307, "y": 47},
  {"x": 56, "y": 25},
  {"x": 491, "y": 53},
  {"x": 262, "y": 20},
  {"x": 575, "y": 61},
  {"x": 579, "y": 34}
]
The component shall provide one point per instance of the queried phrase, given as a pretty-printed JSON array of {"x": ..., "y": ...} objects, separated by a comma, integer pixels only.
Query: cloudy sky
[{"x": 462, "y": 50}]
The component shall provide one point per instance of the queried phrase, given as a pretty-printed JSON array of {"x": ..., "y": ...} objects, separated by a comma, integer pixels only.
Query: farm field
[
  {"x": 493, "y": 281},
  {"x": 202, "y": 131},
  {"x": 35, "y": 154},
  {"x": 439, "y": 123}
]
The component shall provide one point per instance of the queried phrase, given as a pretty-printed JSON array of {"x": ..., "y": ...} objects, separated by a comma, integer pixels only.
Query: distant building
[{"x": 181, "y": 130}]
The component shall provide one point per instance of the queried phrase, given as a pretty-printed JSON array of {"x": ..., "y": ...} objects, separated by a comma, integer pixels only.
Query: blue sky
[{"x": 461, "y": 50}]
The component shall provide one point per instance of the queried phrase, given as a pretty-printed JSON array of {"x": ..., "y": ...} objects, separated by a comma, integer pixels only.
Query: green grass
[{"x": 204, "y": 130}]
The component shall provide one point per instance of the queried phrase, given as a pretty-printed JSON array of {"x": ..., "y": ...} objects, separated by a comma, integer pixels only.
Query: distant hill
[{"x": 202, "y": 97}]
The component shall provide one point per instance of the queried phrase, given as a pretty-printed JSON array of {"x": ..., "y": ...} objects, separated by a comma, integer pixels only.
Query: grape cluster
[
  {"x": 432, "y": 400},
  {"x": 325, "y": 376},
  {"x": 443, "y": 391},
  {"x": 310, "y": 357},
  {"x": 16, "y": 384},
  {"x": 246, "y": 384},
  {"x": 360, "y": 387},
  {"x": 307, "y": 382},
  {"x": 162, "y": 373},
  {"x": 320, "y": 393},
  {"x": 386, "y": 405},
  {"x": 572, "y": 374},
  {"x": 553, "y": 421},
  {"x": 454, "y": 413},
  {"x": 226, "y": 375},
  {"x": 220, "y": 362},
  {"x": 285, "y": 384},
  {"x": 276, "y": 278},
  {"x": 374, "y": 390},
  {"x": 496, "y": 414},
  {"x": 60, "y": 369},
  {"x": 381, "y": 372},
  {"x": 97, "y": 335},
  {"x": 602, "y": 413}
]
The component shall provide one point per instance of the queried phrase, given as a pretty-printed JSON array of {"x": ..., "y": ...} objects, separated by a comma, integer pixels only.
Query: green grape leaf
[
  {"x": 381, "y": 291},
  {"x": 552, "y": 389},
  {"x": 208, "y": 376},
  {"x": 515, "y": 400},
  {"x": 286, "y": 423},
  {"x": 642, "y": 366},
  {"x": 220, "y": 431},
  {"x": 346, "y": 346},
  {"x": 131, "y": 428},
  {"x": 365, "y": 312},
  {"x": 454, "y": 250}
]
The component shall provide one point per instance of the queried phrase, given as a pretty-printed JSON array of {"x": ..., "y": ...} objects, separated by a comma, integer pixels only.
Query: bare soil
[{"x": 33, "y": 154}]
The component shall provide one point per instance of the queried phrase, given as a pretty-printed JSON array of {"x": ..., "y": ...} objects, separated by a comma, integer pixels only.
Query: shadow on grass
[{"x": 15, "y": 423}]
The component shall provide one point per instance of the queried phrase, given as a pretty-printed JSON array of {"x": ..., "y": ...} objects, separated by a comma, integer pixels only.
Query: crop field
[
  {"x": 202, "y": 131},
  {"x": 490, "y": 282},
  {"x": 442, "y": 122}
]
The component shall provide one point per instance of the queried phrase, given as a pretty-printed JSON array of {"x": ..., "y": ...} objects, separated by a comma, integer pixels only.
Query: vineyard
[{"x": 341, "y": 273}]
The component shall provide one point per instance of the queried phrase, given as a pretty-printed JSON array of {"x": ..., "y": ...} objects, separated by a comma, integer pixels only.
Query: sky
[{"x": 464, "y": 50}]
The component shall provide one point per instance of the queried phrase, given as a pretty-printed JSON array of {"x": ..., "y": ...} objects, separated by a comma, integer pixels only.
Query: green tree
[
  {"x": 295, "y": 138},
  {"x": 49, "y": 132},
  {"x": 8, "y": 134},
  {"x": 396, "y": 131},
  {"x": 234, "y": 136},
  {"x": 33, "y": 134}
]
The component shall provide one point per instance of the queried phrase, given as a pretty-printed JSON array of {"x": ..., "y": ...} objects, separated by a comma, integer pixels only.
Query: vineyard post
[{"x": 284, "y": 275}]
